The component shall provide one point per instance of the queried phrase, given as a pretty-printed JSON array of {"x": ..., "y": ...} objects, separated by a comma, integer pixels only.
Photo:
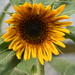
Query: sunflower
[{"x": 34, "y": 31}]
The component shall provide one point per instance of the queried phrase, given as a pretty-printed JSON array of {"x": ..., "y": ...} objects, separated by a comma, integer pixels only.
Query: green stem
[
  {"x": 3, "y": 14},
  {"x": 39, "y": 69}
]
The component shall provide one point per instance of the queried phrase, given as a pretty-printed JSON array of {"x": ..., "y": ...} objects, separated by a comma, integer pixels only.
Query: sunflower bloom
[{"x": 35, "y": 30}]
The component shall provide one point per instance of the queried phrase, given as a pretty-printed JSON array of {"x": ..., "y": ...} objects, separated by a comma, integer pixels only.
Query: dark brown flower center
[{"x": 34, "y": 30}]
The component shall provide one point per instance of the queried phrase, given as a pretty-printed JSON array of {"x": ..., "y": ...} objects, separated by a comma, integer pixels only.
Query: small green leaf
[
  {"x": 70, "y": 6},
  {"x": 8, "y": 63},
  {"x": 26, "y": 66},
  {"x": 60, "y": 65}
]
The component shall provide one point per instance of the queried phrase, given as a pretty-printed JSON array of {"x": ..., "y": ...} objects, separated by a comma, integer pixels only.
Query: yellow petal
[
  {"x": 19, "y": 53},
  {"x": 58, "y": 33},
  {"x": 52, "y": 48},
  {"x": 60, "y": 18},
  {"x": 58, "y": 43},
  {"x": 11, "y": 27},
  {"x": 16, "y": 45},
  {"x": 26, "y": 4},
  {"x": 12, "y": 21},
  {"x": 60, "y": 9},
  {"x": 40, "y": 57},
  {"x": 48, "y": 52},
  {"x": 48, "y": 7},
  {"x": 40, "y": 8},
  {"x": 26, "y": 53},
  {"x": 17, "y": 9},
  {"x": 51, "y": 13},
  {"x": 20, "y": 46},
  {"x": 35, "y": 9},
  {"x": 60, "y": 38},
  {"x": 64, "y": 30},
  {"x": 13, "y": 42},
  {"x": 5, "y": 35},
  {"x": 29, "y": 52},
  {"x": 62, "y": 24},
  {"x": 9, "y": 38},
  {"x": 44, "y": 55},
  {"x": 34, "y": 53},
  {"x": 9, "y": 35},
  {"x": 17, "y": 16}
]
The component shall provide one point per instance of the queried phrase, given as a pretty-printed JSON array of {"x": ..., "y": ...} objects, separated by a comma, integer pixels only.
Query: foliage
[
  {"x": 10, "y": 65},
  {"x": 63, "y": 66}
]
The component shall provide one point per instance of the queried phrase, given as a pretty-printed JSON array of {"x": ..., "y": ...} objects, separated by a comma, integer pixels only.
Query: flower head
[{"x": 35, "y": 30}]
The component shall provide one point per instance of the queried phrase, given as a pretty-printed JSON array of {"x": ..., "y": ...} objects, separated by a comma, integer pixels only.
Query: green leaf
[
  {"x": 4, "y": 46},
  {"x": 45, "y": 2},
  {"x": 60, "y": 65},
  {"x": 72, "y": 33},
  {"x": 15, "y": 2},
  {"x": 30, "y": 1},
  {"x": 26, "y": 66},
  {"x": 23, "y": 1},
  {"x": 70, "y": 6},
  {"x": 41, "y": 1},
  {"x": 34, "y": 70},
  {"x": 70, "y": 70},
  {"x": 72, "y": 29},
  {"x": 49, "y": 2},
  {"x": 8, "y": 63},
  {"x": 20, "y": 2},
  {"x": 70, "y": 36},
  {"x": 17, "y": 71},
  {"x": 1, "y": 40},
  {"x": 4, "y": 54}
]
